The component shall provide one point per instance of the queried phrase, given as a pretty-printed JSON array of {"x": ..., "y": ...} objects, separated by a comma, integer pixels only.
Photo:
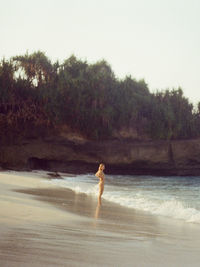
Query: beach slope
[{"x": 44, "y": 225}]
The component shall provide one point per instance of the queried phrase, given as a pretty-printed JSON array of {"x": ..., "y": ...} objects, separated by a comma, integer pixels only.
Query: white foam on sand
[{"x": 139, "y": 200}]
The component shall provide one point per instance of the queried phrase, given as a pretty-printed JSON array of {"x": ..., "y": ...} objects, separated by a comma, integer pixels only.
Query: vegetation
[{"x": 37, "y": 96}]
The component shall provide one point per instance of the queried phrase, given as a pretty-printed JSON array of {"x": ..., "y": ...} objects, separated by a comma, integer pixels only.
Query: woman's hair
[{"x": 101, "y": 165}]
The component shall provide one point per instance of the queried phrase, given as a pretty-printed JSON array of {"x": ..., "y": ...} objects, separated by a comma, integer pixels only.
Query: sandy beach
[{"x": 44, "y": 225}]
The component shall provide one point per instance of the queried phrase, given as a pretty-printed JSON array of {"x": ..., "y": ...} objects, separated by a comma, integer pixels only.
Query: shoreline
[
  {"x": 44, "y": 225},
  {"x": 120, "y": 170}
]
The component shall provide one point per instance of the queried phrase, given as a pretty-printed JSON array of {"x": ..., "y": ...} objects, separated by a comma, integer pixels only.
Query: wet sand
[{"x": 43, "y": 225}]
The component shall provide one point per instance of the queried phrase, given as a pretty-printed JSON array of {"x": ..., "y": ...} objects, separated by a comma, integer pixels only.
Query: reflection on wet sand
[{"x": 97, "y": 211}]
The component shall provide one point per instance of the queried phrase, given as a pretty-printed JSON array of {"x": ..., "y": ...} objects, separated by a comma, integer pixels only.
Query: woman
[{"x": 101, "y": 176}]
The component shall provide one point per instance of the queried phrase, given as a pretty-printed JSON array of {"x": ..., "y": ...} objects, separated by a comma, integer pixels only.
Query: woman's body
[{"x": 101, "y": 176}]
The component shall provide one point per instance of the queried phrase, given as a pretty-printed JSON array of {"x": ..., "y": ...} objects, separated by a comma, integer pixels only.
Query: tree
[
  {"x": 36, "y": 94},
  {"x": 37, "y": 68}
]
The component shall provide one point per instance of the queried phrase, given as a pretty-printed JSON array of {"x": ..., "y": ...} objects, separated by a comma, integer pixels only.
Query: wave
[
  {"x": 151, "y": 202},
  {"x": 169, "y": 208}
]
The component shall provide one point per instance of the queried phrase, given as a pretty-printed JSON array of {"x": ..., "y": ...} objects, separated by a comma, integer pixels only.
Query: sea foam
[{"x": 152, "y": 200}]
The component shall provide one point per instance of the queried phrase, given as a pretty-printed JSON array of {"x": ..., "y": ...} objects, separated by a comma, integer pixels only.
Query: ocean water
[{"x": 174, "y": 197}]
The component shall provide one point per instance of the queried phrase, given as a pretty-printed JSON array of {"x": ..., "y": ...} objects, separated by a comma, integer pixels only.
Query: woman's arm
[{"x": 99, "y": 175}]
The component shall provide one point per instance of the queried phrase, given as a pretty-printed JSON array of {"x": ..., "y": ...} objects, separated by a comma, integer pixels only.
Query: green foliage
[{"x": 37, "y": 95}]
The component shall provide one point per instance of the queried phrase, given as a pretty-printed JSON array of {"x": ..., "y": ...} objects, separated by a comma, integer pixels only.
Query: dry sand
[{"x": 43, "y": 225}]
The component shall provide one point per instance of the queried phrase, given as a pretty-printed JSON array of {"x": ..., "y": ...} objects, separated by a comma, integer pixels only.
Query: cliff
[{"x": 78, "y": 155}]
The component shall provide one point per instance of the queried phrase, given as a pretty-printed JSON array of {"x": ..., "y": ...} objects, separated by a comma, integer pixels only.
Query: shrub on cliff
[{"x": 37, "y": 95}]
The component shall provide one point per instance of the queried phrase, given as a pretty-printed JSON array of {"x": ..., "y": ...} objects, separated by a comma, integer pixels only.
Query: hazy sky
[{"x": 158, "y": 40}]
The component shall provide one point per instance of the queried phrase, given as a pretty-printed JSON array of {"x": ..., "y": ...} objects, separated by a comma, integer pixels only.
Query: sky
[{"x": 154, "y": 40}]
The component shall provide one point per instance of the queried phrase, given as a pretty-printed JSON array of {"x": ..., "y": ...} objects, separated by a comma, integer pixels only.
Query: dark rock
[{"x": 121, "y": 157}]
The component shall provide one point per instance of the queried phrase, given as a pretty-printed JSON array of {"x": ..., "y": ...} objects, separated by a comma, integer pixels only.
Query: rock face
[{"x": 121, "y": 157}]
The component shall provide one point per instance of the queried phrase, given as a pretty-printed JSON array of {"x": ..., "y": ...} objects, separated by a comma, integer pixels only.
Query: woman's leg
[{"x": 101, "y": 188}]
